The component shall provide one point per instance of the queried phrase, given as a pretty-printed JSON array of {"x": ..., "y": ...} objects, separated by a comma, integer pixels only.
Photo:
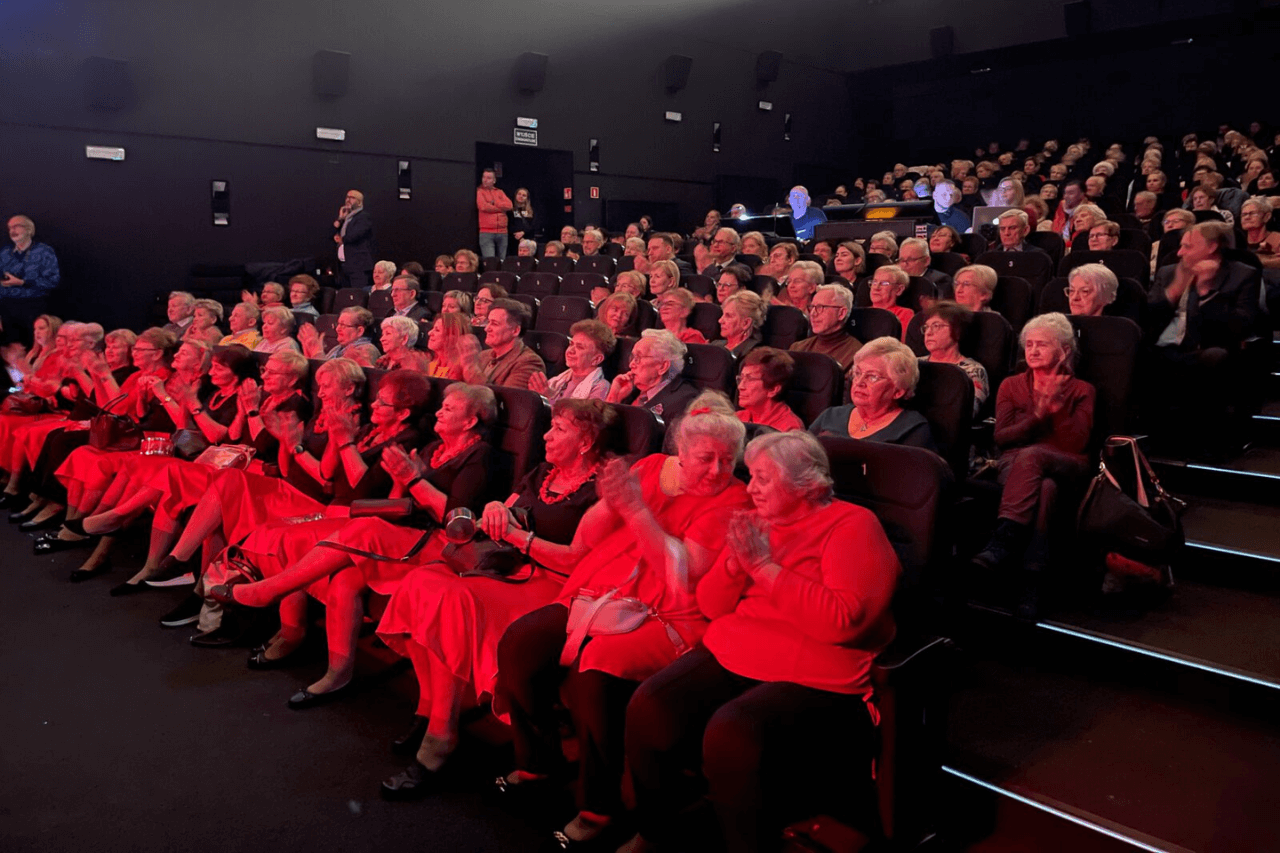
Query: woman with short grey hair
[
  {"x": 1090, "y": 289},
  {"x": 885, "y": 373}
]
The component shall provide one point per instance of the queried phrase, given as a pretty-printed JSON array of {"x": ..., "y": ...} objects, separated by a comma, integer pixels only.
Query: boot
[{"x": 1008, "y": 540}]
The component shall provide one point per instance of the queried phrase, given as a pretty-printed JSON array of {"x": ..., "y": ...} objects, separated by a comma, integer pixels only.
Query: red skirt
[
  {"x": 277, "y": 545},
  {"x": 10, "y": 422},
  {"x": 251, "y": 500},
  {"x": 182, "y": 485},
  {"x": 459, "y": 621},
  {"x": 390, "y": 540},
  {"x": 85, "y": 464},
  {"x": 30, "y": 438}
]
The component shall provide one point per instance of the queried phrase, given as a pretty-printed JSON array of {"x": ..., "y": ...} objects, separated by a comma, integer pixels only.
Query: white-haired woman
[
  {"x": 653, "y": 379},
  {"x": 885, "y": 373},
  {"x": 1044, "y": 418},
  {"x": 887, "y": 284},
  {"x": 773, "y": 705},
  {"x": 1255, "y": 214},
  {"x": 398, "y": 336},
  {"x": 1090, "y": 289},
  {"x": 383, "y": 273},
  {"x": 742, "y": 315},
  {"x": 658, "y": 528}
]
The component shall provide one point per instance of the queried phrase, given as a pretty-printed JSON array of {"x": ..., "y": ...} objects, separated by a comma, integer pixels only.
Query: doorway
[{"x": 544, "y": 173}]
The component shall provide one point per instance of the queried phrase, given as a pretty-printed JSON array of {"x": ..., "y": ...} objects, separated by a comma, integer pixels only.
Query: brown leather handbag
[{"x": 114, "y": 433}]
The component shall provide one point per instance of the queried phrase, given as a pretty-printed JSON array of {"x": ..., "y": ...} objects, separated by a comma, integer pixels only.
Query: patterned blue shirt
[{"x": 37, "y": 267}]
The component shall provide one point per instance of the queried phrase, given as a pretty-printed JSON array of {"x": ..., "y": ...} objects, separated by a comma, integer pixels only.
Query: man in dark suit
[
  {"x": 1013, "y": 227},
  {"x": 1200, "y": 312},
  {"x": 404, "y": 299},
  {"x": 653, "y": 381},
  {"x": 354, "y": 236},
  {"x": 725, "y": 245},
  {"x": 914, "y": 258}
]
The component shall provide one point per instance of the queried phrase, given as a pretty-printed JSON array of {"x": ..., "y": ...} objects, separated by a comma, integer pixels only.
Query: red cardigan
[
  {"x": 1067, "y": 430},
  {"x": 825, "y": 617}
]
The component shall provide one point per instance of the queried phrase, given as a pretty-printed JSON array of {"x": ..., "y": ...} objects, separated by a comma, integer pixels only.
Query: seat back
[
  {"x": 646, "y": 317},
  {"x": 867, "y": 324},
  {"x": 464, "y": 281},
  {"x": 706, "y": 319},
  {"x": 327, "y": 326},
  {"x": 523, "y": 419},
  {"x": 1035, "y": 267},
  {"x": 507, "y": 280},
  {"x": 559, "y": 265},
  {"x": 783, "y": 326},
  {"x": 763, "y": 285},
  {"x": 432, "y": 280},
  {"x": 1014, "y": 299},
  {"x": 380, "y": 304},
  {"x": 906, "y": 488},
  {"x": 972, "y": 245},
  {"x": 875, "y": 260},
  {"x": 944, "y": 396},
  {"x": 601, "y": 264},
  {"x": 816, "y": 385},
  {"x": 988, "y": 339},
  {"x": 533, "y": 304},
  {"x": 1108, "y": 357},
  {"x": 539, "y": 284},
  {"x": 550, "y": 347},
  {"x": 626, "y": 263},
  {"x": 1125, "y": 263},
  {"x": 559, "y": 313},
  {"x": 711, "y": 368},
  {"x": 582, "y": 283},
  {"x": 434, "y": 300},
  {"x": 918, "y": 290},
  {"x": 519, "y": 265},
  {"x": 1051, "y": 242},
  {"x": 638, "y": 432},
  {"x": 346, "y": 297},
  {"x": 1136, "y": 240},
  {"x": 703, "y": 286},
  {"x": 751, "y": 262},
  {"x": 302, "y": 317},
  {"x": 947, "y": 262}
]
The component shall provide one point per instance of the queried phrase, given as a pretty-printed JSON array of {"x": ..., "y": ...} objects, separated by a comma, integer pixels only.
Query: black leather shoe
[
  {"x": 24, "y": 515},
  {"x": 304, "y": 699},
  {"x": 187, "y": 612},
  {"x": 219, "y": 638},
  {"x": 51, "y": 544},
  {"x": 81, "y": 575},
  {"x": 408, "y": 743},
  {"x": 412, "y": 783},
  {"x": 258, "y": 659},
  {"x": 127, "y": 588},
  {"x": 32, "y": 526}
]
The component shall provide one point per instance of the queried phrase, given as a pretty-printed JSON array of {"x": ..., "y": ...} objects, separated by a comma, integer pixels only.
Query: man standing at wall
[
  {"x": 355, "y": 240},
  {"x": 30, "y": 273},
  {"x": 493, "y": 205}
]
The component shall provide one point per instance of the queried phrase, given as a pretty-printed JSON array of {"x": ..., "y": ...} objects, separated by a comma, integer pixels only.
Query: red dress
[
  {"x": 458, "y": 621},
  {"x": 612, "y": 562},
  {"x": 776, "y": 415}
]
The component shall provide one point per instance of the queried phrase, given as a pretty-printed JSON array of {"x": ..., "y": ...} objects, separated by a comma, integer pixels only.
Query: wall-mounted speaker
[
  {"x": 330, "y": 71},
  {"x": 768, "y": 65},
  {"x": 942, "y": 42},
  {"x": 715, "y": 137},
  {"x": 1077, "y": 17},
  {"x": 108, "y": 83},
  {"x": 593, "y": 155},
  {"x": 220, "y": 201},
  {"x": 531, "y": 72},
  {"x": 676, "y": 71},
  {"x": 404, "y": 178},
  {"x": 786, "y": 128}
]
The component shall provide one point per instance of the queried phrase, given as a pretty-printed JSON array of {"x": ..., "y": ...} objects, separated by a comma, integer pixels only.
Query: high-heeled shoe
[{"x": 408, "y": 743}]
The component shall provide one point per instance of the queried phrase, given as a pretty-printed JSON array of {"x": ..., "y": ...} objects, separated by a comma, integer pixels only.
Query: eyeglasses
[
  {"x": 403, "y": 290},
  {"x": 814, "y": 306},
  {"x": 1079, "y": 291},
  {"x": 903, "y": 260},
  {"x": 350, "y": 325},
  {"x": 867, "y": 378},
  {"x": 483, "y": 301},
  {"x": 744, "y": 378},
  {"x": 882, "y": 284},
  {"x": 638, "y": 357},
  {"x": 145, "y": 349},
  {"x": 934, "y": 327},
  {"x": 383, "y": 403}
]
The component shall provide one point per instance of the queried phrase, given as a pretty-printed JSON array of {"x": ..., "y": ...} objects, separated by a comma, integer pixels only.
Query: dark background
[{"x": 224, "y": 91}]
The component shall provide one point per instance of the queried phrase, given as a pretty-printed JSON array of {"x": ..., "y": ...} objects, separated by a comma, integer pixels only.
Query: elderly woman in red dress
[
  {"x": 449, "y": 625},
  {"x": 774, "y": 705},
  {"x": 444, "y": 475},
  {"x": 655, "y": 533},
  {"x": 762, "y": 379}
]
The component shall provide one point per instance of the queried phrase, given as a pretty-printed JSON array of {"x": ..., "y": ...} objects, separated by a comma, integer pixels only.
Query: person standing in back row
[
  {"x": 355, "y": 241},
  {"x": 493, "y": 205}
]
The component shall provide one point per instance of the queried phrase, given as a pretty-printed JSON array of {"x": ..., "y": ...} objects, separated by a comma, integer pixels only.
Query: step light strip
[
  {"x": 1148, "y": 651},
  {"x": 1192, "y": 466},
  {"x": 1065, "y": 815},
  {"x": 1235, "y": 552}
]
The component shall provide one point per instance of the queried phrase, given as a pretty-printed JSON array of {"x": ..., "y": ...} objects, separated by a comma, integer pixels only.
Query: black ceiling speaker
[
  {"x": 531, "y": 72},
  {"x": 1078, "y": 18},
  {"x": 676, "y": 70},
  {"x": 330, "y": 71},
  {"x": 108, "y": 83},
  {"x": 768, "y": 64},
  {"x": 942, "y": 42}
]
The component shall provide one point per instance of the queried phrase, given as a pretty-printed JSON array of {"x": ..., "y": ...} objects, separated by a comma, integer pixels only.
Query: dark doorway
[{"x": 544, "y": 173}]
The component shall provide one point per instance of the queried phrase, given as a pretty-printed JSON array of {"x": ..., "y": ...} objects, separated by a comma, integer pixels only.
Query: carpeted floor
[{"x": 118, "y": 735}]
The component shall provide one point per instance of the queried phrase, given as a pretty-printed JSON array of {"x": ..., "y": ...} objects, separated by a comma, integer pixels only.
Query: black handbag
[
  {"x": 1138, "y": 520},
  {"x": 114, "y": 433},
  {"x": 189, "y": 443}
]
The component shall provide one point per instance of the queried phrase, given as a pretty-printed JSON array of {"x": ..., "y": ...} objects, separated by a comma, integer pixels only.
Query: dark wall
[{"x": 224, "y": 91}]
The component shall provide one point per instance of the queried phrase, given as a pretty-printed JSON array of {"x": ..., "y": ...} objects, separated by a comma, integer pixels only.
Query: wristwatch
[
  {"x": 298, "y": 450},
  {"x": 253, "y": 413}
]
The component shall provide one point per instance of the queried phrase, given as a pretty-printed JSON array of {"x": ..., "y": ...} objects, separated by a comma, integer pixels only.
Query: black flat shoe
[
  {"x": 127, "y": 588},
  {"x": 304, "y": 699},
  {"x": 408, "y": 743},
  {"x": 219, "y": 638},
  {"x": 258, "y": 659},
  {"x": 49, "y": 543},
  {"x": 412, "y": 783},
  {"x": 81, "y": 575},
  {"x": 24, "y": 515},
  {"x": 186, "y": 613},
  {"x": 31, "y": 526}
]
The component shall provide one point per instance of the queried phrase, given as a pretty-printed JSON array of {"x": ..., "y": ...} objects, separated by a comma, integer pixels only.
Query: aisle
[{"x": 120, "y": 735}]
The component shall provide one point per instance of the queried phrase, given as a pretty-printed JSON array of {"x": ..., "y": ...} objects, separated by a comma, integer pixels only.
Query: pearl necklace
[
  {"x": 440, "y": 457},
  {"x": 544, "y": 491}
]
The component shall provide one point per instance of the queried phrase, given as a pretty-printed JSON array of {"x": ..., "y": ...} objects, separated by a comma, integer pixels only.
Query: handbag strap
[
  {"x": 578, "y": 635},
  {"x": 105, "y": 408},
  {"x": 383, "y": 558}
]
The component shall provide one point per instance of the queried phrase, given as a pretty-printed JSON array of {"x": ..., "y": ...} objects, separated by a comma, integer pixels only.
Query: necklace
[
  {"x": 545, "y": 493},
  {"x": 440, "y": 457},
  {"x": 867, "y": 424}
]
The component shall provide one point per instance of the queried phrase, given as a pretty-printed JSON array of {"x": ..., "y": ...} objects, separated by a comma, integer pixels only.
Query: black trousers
[
  {"x": 771, "y": 753},
  {"x": 530, "y": 682}
]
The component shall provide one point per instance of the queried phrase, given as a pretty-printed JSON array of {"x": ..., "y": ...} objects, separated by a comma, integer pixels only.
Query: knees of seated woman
[{"x": 1025, "y": 470}]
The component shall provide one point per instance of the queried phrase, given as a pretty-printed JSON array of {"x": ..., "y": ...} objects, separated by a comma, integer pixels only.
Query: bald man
[
  {"x": 355, "y": 241},
  {"x": 803, "y": 215}
]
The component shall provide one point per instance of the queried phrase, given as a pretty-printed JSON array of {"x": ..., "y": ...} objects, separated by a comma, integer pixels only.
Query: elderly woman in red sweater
[
  {"x": 1044, "y": 418},
  {"x": 777, "y": 696}
]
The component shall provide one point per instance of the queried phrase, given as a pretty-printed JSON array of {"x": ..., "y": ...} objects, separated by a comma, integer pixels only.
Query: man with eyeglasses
[
  {"x": 354, "y": 236},
  {"x": 404, "y": 299},
  {"x": 724, "y": 249},
  {"x": 653, "y": 379},
  {"x": 828, "y": 313},
  {"x": 914, "y": 258}
]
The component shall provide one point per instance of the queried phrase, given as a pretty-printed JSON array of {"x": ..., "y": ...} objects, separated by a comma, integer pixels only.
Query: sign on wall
[{"x": 524, "y": 136}]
